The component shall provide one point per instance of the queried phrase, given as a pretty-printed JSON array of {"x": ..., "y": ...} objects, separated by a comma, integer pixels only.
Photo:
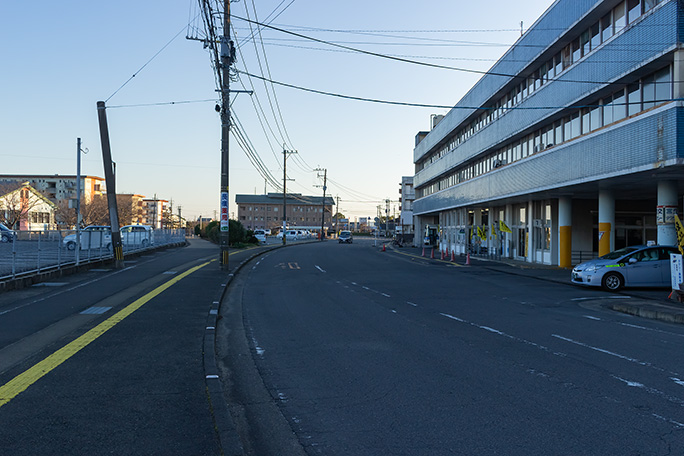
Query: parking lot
[{"x": 34, "y": 252}]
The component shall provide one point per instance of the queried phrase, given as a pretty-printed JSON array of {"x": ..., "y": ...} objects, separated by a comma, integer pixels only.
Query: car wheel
[
  {"x": 613, "y": 281},
  {"x": 4, "y": 238},
  {"x": 145, "y": 243},
  {"x": 71, "y": 245}
]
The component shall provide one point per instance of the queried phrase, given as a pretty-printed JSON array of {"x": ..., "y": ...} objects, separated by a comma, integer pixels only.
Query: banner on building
[
  {"x": 680, "y": 233},
  {"x": 504, "y": 228}
]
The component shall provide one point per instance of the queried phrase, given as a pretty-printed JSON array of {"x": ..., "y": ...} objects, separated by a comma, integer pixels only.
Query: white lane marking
[
  {"x": 95, "y": 310},
  {"x": 677, "y": 381},
  {"x": 211, "y": 376},
  {"x": 366, "y": 288},
  {"x": 503, "y": 334},
  {"x": 170, "y": 272},
  {"x": 602, "y": 350},
  {"x": 668, "y": 420},
  {"x": 213, "y": 312},
  {"x": 411, "y": 304},
  {"x": 591, "y": 318},
  {"x": 631, "y": 383},
  {"x": 394, "y": 311},
  {"x": 651, "y": 329},
  {"x": 453, "y": 318},
  {"x": 50, "y": 284},
  {"x": 648, "y": 389},
  {"x": 353, "y": 283},
  {"x": 386, "y": 295},
  {"x": 260, "y": 351},
  {"x": 323, "y": 271}
]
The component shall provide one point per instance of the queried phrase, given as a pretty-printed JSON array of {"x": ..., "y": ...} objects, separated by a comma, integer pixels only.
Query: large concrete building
[
  {"x": 571, "y": 146},
  {"x": 266, "y": 211}
]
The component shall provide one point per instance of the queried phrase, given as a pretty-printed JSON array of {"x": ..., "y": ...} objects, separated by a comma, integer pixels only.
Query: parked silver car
[{"x": 636, "y": 266}]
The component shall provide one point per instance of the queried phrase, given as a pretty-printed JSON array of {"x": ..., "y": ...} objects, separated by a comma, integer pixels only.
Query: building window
[
  {"x": 606, "y": 27},
  {"x": 633, "y": 10}
]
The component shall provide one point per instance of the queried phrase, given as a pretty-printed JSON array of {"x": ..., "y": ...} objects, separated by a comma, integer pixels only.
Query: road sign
[{"x": 224, "y": 211}]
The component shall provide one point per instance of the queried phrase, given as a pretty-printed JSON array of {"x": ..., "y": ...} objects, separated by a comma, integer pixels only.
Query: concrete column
[
  {"x": 530, "y": 232},
  {"x": 667, "y": 207},
  {"x": 565, "y": 232},
  {"x": 606, "y": 222}
]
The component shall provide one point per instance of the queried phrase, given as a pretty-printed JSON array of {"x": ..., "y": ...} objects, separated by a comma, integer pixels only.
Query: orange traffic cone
[
  {"x": 468, "y": 259},
  {"x": 452, "y": 255},
  {"x": 383, "y": 247}
]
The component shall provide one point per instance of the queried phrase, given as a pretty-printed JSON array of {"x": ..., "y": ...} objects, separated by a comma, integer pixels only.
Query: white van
[
  {"x": 260, "y": 235},
  {"x": 137, "y": 236}
]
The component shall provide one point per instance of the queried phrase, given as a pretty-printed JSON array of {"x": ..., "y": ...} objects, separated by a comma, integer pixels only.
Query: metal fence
[{"x": 32, "y": 252}]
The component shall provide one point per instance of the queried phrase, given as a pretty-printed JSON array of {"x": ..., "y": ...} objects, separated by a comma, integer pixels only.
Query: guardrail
[{"x": 33, "y": 252}]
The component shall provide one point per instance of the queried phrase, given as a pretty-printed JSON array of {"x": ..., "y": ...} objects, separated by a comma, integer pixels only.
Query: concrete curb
[
  {"x": 229, "y": 440},
  {"x": 652, "y": 311}
]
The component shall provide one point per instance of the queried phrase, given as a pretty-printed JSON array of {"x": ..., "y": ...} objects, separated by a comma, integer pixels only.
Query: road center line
[{"x": 21, "y": 382}]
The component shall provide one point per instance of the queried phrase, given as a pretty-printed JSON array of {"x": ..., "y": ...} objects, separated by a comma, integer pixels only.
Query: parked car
[
  {"x": 92, "y": 237},
  {"x": 7, "y": 235},
  {"x": 260, "y": 235},
  {"x": 345, "y": 237},
  {"x": 636, "y": 266},
  {"x": 137, "y": 235}
]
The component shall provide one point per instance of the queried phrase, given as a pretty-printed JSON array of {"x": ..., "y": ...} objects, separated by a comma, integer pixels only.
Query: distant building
[
  {"x": 266, "y": 211},
  {"x": 59, "y": 187},
  {"x": 22, "y": 207},
  {"x": 406, "y": 198},
  {"x": 155, "y": 212}
]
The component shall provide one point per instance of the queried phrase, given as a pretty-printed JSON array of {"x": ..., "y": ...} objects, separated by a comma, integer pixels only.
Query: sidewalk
[{"x": 656, "y": 308}]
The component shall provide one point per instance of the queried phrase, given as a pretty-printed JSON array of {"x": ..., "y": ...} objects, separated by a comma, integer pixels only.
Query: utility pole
[
  {"x": 227, "y": 59},
  {"x": 387, "y": 210},
  {"x": 337, "y": 213},
  {"x": 325, "y": 183},
  {"x": 110, "y": 182},
  {"x": 286, "y": 153},
  {"x": 78, "y": 200}
]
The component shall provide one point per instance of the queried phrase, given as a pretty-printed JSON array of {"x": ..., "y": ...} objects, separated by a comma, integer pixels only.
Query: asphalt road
[
  {"x": 111, "y": 361},
  {"x": 346, "y": 350}
]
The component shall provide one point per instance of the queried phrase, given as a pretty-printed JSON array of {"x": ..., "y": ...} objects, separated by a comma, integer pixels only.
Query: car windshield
[
  {"x": 619, "y": 253},
  {"x": 345, "y": 234}
]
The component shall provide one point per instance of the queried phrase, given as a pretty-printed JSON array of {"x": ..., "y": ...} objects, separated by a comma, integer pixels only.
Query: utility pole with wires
[
  {"x": 227, "y": 59},
  {"x": 286, "y": 153},
  {"x": 325, "y": 183}
]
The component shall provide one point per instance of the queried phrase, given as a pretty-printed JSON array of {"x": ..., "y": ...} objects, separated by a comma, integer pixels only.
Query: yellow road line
[
  {"x": 427, "y": 258},
  {"x": 27, "y": 378}
]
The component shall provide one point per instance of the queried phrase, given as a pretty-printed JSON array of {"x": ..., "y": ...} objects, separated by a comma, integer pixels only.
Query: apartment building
[
  {"x": 60, "y": 187},
  {"x": 570, "y": 146},
  {"x": 266, "y": 211}
]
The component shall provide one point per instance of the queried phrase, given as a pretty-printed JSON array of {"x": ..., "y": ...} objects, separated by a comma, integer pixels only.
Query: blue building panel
[{"x": 635, "y": 145}]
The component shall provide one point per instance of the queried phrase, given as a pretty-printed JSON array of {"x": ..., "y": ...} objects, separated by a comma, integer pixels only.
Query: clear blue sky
[{"x": 60, "y": 58}]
